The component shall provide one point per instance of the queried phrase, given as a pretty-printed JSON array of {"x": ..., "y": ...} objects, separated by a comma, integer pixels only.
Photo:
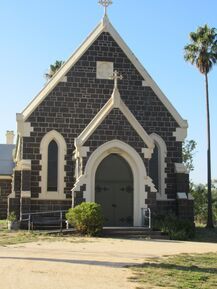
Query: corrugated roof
[{"x": 6, "y": 159}]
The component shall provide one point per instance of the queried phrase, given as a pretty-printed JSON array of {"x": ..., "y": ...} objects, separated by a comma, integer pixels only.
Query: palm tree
[
  {"x": 53, "y": 69},
  {"x": 202, "y": 51}
]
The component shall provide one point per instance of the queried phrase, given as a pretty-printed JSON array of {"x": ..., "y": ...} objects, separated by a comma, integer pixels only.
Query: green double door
[{"x": 114, "y": 191}]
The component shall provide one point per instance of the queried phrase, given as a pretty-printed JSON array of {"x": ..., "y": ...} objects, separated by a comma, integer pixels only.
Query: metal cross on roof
[
  {"x": 105, "y": 4},
  {"x": 116, "y": 76}
]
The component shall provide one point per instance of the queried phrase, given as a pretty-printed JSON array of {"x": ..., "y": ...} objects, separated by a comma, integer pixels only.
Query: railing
[
  {"x": 34, "y": 218},
  {"x": 146, "y": 217}
]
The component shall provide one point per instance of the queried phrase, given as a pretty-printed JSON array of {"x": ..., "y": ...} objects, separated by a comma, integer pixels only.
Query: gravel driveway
[{"x": 83, "y": 263}]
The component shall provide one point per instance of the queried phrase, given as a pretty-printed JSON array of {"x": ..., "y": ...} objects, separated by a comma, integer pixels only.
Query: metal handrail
[
  {"x": 46, "y": 212},
  {"x": 146, "y": 214},
  {"x": 43, "y": 213}
]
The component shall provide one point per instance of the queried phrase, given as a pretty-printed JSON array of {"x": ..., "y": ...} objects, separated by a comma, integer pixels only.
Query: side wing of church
[{"x": 101, "y": 130}]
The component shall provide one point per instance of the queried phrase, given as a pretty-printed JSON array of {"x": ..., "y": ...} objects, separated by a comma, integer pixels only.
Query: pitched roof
[
  {"x": 6, "y": 159},
  {"x": 103, "y": 26}
]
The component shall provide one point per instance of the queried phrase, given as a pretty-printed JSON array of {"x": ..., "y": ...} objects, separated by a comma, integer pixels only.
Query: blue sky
[{"x": 34, "y": 33}]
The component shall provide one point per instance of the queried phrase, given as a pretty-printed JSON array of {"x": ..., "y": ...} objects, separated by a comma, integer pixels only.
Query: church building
[{"x": 101, "y": 130}]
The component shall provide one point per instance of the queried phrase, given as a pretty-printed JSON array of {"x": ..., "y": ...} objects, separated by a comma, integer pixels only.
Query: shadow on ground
[{"x": 81, "y": 262}]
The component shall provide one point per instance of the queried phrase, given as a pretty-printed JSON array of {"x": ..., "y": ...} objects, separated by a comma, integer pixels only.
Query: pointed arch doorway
[{"x": 114, "y": 190}]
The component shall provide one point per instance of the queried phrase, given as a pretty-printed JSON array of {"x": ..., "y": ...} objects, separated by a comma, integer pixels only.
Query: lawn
[
  {"x": 182, "y": 272},
  {"x": 23, "y": 236},
  {"x": 15, "y": 237}
]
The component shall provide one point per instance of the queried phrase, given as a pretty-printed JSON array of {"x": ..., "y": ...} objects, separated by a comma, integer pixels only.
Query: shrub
[
  {"x": 157, "y": 222},
  {"x": 86, "y": 218},
  {"x": 199, "y": 192},
  {"x": 12, "y": 217},
  {"x": 176, "y": 229}
]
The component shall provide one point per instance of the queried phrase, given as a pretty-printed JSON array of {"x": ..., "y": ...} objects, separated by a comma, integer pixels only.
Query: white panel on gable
[{"x": 104, "y": 69}]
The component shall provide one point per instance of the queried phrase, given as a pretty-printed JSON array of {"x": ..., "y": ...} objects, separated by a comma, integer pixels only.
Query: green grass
[
  {"x": 3, "y": 224},
  {"x": 16, "y": 237},
  {"x": 182, "y": 272},
  {"x": 22, "y": 236}
]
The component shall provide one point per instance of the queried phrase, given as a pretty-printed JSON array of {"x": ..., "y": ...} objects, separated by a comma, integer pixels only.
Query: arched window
[
  {"x": 157, "y": 166},
  {"x": 154, "y": 167},
  {"x": 52, "y": 168},
  {"x": 53, "y": 151}
]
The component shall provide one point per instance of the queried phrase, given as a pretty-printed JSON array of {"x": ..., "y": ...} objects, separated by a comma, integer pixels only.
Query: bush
[
  {"x": 12, "y": 217},
  {"x": 199, "y": 192},
  {"x": 86, "y": 218},
  {"x": 176, "y": 229}
]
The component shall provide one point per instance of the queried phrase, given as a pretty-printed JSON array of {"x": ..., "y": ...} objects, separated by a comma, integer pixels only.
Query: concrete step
[{"x": 133, "y": 232}]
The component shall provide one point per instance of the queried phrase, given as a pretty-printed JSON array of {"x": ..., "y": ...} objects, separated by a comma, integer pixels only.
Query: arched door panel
[{"x": 114, "y": 191}]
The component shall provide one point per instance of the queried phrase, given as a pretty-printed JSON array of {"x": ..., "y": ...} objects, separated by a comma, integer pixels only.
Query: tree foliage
[
  {"x": 199, "y": 192},
  {"x": 202, "y": 52},
  {"x": 53, "y": 69},
  {"x": 188, "y": 150}
]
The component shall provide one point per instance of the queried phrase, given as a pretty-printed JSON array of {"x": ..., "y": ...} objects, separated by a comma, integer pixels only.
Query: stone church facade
[{"x": 91, "y": 135}]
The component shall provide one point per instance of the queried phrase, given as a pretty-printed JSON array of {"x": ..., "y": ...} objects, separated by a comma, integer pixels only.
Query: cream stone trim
[
  {"x": 104, "y": 26},
  {"x": 144, "y": 83},
  {"x": 64, "y": 79},
  {"x": 24, "y": 165},
  {"x": 16, "y": 156},
  {"x": 79, "y": 154},
  {"x": 167, "y": 200},
  {"x": 182, "y": 196},
  {"x": 190, "y": 197},
  {"x": 150, "y": 184},
  {"x": 114, "y": 102},
  {"x": 62, "y": 149},
  {"x": 138, "y": 169},
  {"x": 23, "y": 128},
  {"x": 12, "y": 194},
  {"x": 5, "y": 177},
  {"x": 104, "y": 69},
  {"x": 180, "y": 134},
  {"x": 82, "y": 152},
  {"x": 147, "y": 152},
  {"x": 25, "y": 194},
  {"x": 162, "y": 154},
  {"x": 180, "y": 168}
]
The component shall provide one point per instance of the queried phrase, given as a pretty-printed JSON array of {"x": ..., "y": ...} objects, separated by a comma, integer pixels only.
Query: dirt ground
[{"x": 83, "y": 263}]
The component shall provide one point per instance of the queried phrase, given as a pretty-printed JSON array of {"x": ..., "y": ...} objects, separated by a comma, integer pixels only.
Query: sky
[{"x": 35, "y": 33}]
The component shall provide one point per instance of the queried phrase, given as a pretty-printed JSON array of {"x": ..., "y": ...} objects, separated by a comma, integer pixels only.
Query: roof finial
[
  {"x": 105, "y": 4},
  {"x": 116, "y": 76}
]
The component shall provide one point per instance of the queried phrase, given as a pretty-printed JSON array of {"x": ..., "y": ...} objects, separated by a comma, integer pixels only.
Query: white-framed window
[
  {"x": 157, "y": 165},
  {"x": 52, "y": 166},
  {"x": 53, "y": 150}
]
